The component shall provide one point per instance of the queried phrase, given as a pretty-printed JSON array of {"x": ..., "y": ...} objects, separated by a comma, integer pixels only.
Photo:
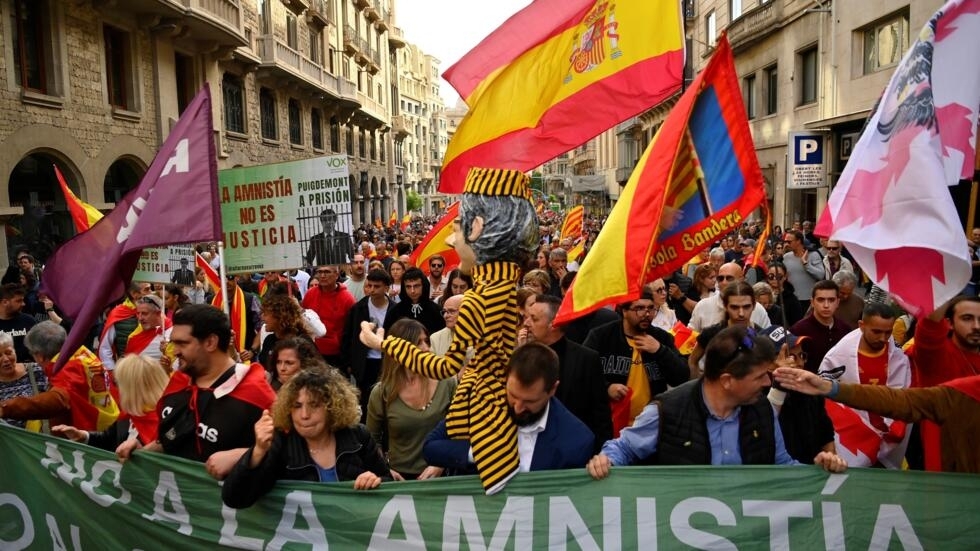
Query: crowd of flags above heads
[{"x": 579, "y": 67}]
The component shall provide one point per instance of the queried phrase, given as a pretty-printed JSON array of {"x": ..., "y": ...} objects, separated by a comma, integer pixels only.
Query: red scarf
[
  {"x": 125, "y": 310},
  {"x": 140, "y": 338}
]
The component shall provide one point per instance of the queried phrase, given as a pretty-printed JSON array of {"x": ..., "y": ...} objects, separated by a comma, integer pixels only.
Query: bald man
[
  {"x": 711, "y": 311},
  {"x": 440, "y": 340}
]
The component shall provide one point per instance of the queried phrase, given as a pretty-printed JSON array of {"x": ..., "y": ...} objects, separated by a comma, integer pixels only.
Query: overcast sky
[{"x": 448, "y": 29}]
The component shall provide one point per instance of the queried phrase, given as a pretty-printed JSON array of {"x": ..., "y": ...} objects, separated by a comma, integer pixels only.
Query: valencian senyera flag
[
  {"x": 435, "y": 243},
  {"x": 175, "y": 202},
  {"x": 572, "y": 226},
  {"x": 83, "y": 215},
  {"x": 891, "y": 206},
  {"x": 696, "y": 182},
  {"x": 558, "y": 73}
]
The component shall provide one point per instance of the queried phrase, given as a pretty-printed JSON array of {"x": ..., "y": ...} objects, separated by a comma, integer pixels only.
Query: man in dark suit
[
  {"x": 583, "y": 388},
  {"x": 549, "y": 437},
  {"x": 329, "y": 246}
]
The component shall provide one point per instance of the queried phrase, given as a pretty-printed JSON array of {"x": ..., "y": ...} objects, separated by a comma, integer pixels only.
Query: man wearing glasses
[
  {"x": 440, "y": 340},
  {"x": 437, "y": 281},
  {"x": 711, "y": 311},
  {"x": 638, "y": 359},
  {"x": 834, "y": 262},
  {"x": 721, "y": 418}
]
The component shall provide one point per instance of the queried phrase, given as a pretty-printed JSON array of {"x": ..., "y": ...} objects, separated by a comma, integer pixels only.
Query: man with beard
[
  {"x": 721, "y": 418},
  {"x": 357, "y": 276},
  {"x": 211, "y": 404},
  {"x": 868, "y": 355},
  {"x": 437, "y": 280},
  {"x": 947, "y": 347},
  {"x": 638, "y": 359},
  {"x": 549, "y": 437}
]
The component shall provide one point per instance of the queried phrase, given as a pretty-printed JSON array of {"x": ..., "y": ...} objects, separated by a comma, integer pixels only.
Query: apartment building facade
[{"x": 94, "y": 86}]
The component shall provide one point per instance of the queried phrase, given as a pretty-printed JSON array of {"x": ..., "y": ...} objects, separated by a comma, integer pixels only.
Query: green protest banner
[
  {"x": 56, "y": 494},
  {"x": 286, "y": 215}
]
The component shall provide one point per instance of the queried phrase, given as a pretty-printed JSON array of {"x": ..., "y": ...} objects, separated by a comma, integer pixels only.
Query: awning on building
[
  {"x": 595, "y": 182},
  {"x": 838, "y": 120}
]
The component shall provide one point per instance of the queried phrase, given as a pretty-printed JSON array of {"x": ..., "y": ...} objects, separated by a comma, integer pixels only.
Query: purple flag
[{"x": 175, "y": 202}]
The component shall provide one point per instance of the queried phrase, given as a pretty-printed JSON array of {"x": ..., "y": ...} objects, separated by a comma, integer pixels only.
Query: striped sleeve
[{"x": 465, "y": 335}]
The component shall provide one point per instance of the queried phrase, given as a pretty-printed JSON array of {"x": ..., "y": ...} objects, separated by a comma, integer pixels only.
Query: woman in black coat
[{"x": 313, "y": 435}]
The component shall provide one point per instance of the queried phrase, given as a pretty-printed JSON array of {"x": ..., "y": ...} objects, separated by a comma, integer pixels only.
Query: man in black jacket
[
  {"x": 583, "y": 388},
  {"x": 416, "y": 304},
  {"x": 361, "y": 362},
  {"x": 626, "y": 345}
]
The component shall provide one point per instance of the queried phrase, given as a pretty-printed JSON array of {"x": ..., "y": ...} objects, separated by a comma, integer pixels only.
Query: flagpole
[{"x": 224, "y": 277}]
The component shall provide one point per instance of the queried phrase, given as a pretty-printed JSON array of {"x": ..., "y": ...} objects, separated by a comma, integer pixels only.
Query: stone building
[
  {"x": 422, "y": 120},
  {"x": 94, "y": 86}
]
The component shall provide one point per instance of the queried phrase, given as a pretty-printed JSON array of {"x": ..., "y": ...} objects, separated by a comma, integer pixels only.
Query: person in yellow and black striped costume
[{"x": 496, "y": 233}]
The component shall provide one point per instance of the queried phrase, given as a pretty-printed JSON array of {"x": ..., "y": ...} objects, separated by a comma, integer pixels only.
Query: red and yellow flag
[
  {"x": 435, "y": 243},
  {"x": 211, "y": 276},
  {"x": 576, "y": 251},
  {"x": 393, "y": 220},
  {"x": 572, "y": 226},
  {"x": 698, "y": 180},
  {"x": 685, "y": 338},
  {"x": 406, "y": 221},
  {"x": 558, "y": 73},
  {"x": 83, "y": 214}
]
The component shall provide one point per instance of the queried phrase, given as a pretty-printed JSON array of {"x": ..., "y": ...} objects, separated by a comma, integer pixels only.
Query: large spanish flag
[
  {"x": 435, "y": 243},
  {"x": 572, "y": 226},
  {"x": 696, "y": 182},
  {"x": 558, "y": 73},
  {"x": 83, "y": 215}
]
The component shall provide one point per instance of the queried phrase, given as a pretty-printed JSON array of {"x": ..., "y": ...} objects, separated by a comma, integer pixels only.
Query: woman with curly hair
[
  {"x": 283, "y": 318},
  {"x": 312, "y": 434},
  {"x": 405, "y": 406}
]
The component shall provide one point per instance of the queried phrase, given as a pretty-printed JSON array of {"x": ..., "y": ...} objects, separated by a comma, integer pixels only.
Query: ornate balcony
[
  {"x": 213, "y": 24},
  {"x": 755, "y": 25},
  {"x": 373, "y": 109},
  {"x": 280, "y": 62},
  {"x": 400, "y": 127},
  {"x": 362, "y": 56},
  {"x": 297, "y": 6},
  {"x": 396, "y": 39},
  {"x": 320, "y": 12},
  {"x": 381, "y": 25},
  {"x": 351, "y": 45}
]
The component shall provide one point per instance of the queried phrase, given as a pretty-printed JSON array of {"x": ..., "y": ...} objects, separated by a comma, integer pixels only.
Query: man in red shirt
[
  {"x": 947, "y": 347},
  {"x": 332, "y": 302}
]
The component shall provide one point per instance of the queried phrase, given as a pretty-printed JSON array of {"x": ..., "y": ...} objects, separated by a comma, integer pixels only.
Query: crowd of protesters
[{"x": 284, "y": 389}]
